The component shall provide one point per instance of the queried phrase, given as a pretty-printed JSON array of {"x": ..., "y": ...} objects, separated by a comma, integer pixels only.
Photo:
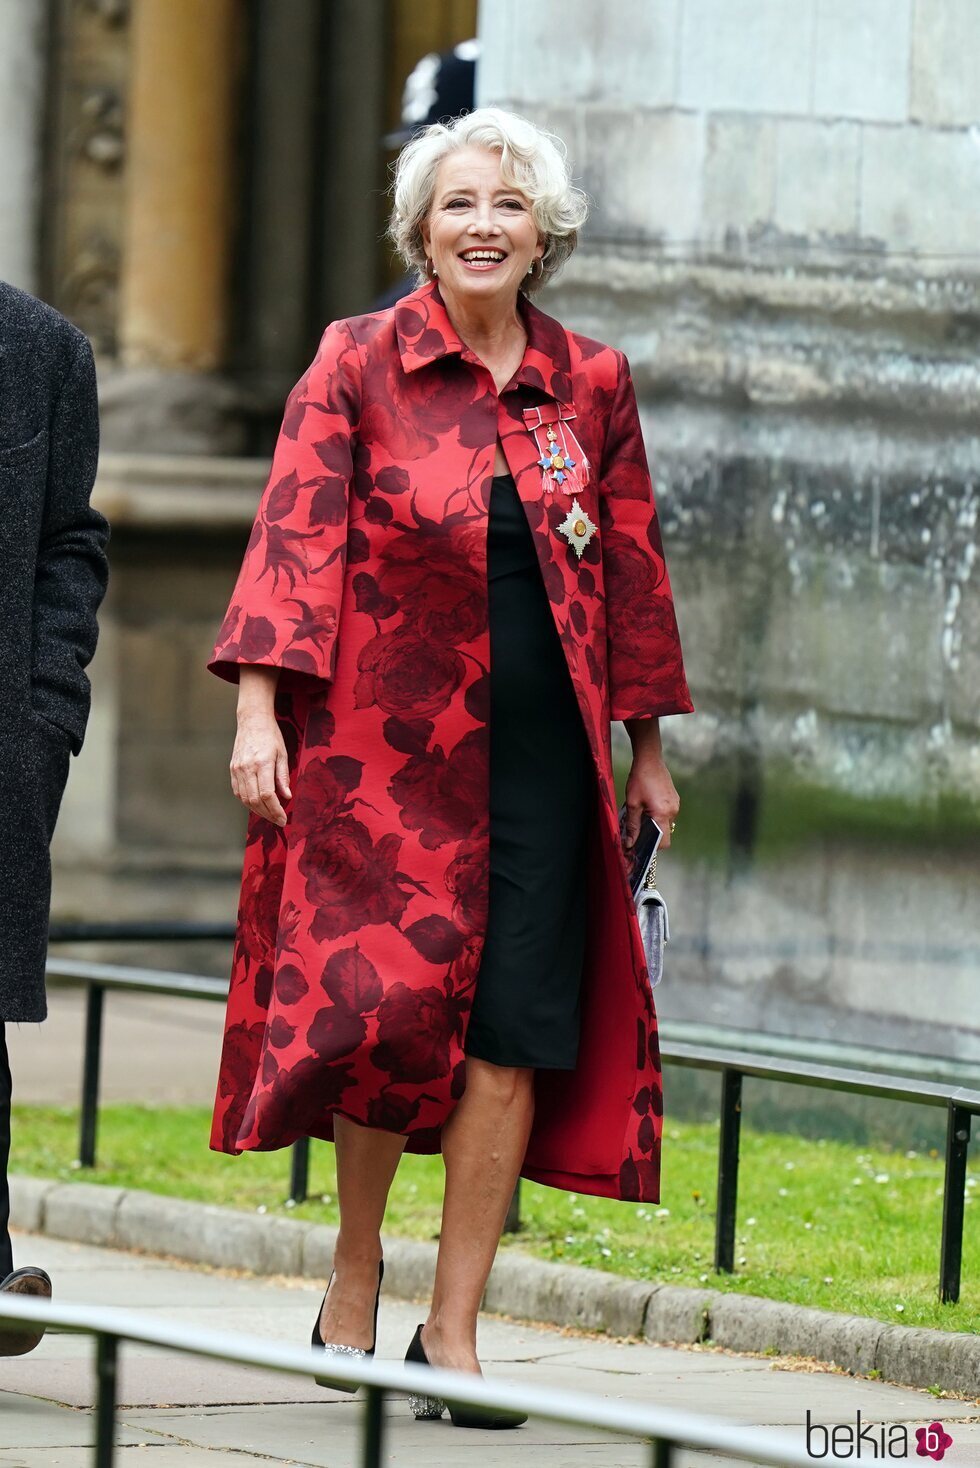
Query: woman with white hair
[{"x": 454, "y": 582}]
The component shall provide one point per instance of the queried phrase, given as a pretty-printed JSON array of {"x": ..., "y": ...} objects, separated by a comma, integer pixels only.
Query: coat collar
[{"x": 426, "y": 333}]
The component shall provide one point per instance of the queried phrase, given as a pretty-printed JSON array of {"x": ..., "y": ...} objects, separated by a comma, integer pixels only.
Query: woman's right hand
[{"x": 259, "y": 765}]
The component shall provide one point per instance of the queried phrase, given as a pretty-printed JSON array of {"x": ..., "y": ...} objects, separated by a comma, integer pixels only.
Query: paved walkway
[
  {"x": 158, "y": 1050},
  {"x": 195, "y": 1414}
]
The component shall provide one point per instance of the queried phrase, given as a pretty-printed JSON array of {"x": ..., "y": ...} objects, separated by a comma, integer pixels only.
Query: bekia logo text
[{"x": 841, "y": 1441}]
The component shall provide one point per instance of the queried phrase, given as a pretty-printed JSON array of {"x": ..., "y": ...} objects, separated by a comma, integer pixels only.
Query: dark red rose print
[
  {"x": 403, "y": 674},
  {"x": 467, "y": 880},
  {"x": 259, "y": 912},
  {"x": 352, "y": 981},
  {"x": 241, "y": 1052},
  {"x": 408, "y": 736},
  {"x": 363, "y": 920},
  {"x": 436, "y": 938},
  {"x": 449, "y": 603},
  {"x": 415, "y": 1027},
  {"x": 290, "y": 984},
  {"x": 323, "y": 791},
  {"x": 335, "y": 1032},
  {"x": 350, "y": 879},
  {"x": 257, "y": 639},
  {"x": 390, "y": 1111},
  {"x": 281, "y": 497},
  {"x": 443, "y": 799}
]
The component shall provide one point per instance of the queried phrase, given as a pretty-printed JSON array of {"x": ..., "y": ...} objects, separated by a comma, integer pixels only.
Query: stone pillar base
[{"x": 150, "y": 410}]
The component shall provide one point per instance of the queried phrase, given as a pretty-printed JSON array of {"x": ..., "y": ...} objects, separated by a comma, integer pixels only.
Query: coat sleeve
[
  {"x": 72, "y": 570},
  {"x": 643, "y": 649},
  {"x": 285, "y": 608}
]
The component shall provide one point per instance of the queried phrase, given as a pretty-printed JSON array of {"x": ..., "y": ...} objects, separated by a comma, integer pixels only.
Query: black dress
[{"x": 542, "y": 786}]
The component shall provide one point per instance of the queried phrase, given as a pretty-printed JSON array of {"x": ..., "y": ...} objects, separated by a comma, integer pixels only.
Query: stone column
[
  {"x": 180, "y": 160},
  {"x": 21, "y": 91},
  {"x": 167, "y": 394}
]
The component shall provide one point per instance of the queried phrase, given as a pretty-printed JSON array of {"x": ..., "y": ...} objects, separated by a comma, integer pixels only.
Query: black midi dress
[{"x": 542, "y": 787}]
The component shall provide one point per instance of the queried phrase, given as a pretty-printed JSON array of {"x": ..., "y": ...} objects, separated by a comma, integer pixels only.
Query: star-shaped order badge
[{"x": 577, "y": 528}]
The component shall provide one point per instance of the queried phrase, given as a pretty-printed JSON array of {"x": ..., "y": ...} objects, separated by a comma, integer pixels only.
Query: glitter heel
[
  {"x": 432, "y": 1408},
  {"x": 343, "y": 1353}
]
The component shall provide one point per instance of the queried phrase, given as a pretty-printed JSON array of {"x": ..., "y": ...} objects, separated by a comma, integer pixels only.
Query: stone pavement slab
[
  {"x": 156, "y": 1050},
  {"x": 180, "y": 1412}
]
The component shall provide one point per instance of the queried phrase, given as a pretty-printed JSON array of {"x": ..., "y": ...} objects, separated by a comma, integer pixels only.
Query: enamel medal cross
[{"x": 554, "y": 462}]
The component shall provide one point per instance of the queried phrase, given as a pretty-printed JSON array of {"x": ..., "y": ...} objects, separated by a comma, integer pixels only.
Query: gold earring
[{"x": 430, "y": 269}]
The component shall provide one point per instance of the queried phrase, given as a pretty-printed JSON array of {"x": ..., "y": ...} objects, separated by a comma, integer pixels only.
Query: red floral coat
[{"x": 365, "y": 581}]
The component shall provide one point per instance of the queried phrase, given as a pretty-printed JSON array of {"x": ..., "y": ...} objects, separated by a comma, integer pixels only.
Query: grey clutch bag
[{"x": 651, "y": 909}]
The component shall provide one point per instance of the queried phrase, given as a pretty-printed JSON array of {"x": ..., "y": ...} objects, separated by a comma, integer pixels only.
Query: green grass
[{"x": 819, "y": 1222}]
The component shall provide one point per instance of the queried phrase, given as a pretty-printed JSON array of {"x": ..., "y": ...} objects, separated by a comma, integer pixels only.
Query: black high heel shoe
[
  {"x": 350, "y": 1352},
  {"x": 432, "y": 1408}
]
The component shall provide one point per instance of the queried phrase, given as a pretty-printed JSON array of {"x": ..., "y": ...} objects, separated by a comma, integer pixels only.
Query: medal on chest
[
  {"x": 577, "y": 528},
  {"x": 564, "y": 469}
]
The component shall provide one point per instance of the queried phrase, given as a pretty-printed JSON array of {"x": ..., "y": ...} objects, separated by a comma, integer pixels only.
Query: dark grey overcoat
[{"x": 53, "y": 573}]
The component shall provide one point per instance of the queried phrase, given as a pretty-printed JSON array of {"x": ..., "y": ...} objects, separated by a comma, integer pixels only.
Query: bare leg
[
  {"x": 483, "y": 1146},
  {"x": 367, "y": 1160}
]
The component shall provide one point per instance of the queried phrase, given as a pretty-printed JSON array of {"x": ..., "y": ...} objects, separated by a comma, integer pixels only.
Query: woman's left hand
[{"x": 649, "y": 788}]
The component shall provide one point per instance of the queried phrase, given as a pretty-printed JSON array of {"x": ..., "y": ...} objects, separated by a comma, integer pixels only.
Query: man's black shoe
[{"x": 17, "y": 1340}]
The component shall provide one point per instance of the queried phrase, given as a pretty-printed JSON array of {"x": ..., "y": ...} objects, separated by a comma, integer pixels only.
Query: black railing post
[
  {"x": 954, "y": 1190},
  {"x": 731, "y": 1120},
  {"x": 91, "y": 1071},
  {"x": 663, "y": 1453},
  {"x": 106, "y": 1359},
  {"x": 299, "y": 1171},
  {"x": 512, "y": 1222},
  {"x": 374, "y": 1427}
]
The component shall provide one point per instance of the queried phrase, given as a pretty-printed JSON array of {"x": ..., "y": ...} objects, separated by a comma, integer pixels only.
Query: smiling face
[{"x": 479, "y": 234}]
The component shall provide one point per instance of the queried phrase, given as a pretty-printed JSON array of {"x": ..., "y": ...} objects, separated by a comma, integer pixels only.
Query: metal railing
[
  {"x": 665, "y": 1429},
  {"x": 961, "y": 1104}
]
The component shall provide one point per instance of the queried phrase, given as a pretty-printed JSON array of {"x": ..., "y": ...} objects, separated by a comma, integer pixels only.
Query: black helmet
[{"x": 439, "y": 88}]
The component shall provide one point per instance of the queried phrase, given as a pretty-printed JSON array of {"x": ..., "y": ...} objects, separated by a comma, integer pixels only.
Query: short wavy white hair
[{"x": 532, "y": 160}]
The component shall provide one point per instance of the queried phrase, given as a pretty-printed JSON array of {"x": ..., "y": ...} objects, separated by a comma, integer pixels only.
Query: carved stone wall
[
  {"x": 784, "y": 242},
  {"x": 85, "y": 164}
]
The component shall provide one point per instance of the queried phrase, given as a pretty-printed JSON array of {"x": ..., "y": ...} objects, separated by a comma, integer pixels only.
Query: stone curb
[{"x": 519, "y": 1286}]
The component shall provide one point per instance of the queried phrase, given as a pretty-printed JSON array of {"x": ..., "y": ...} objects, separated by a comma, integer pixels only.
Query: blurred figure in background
[
  {"x": 439, "y": 88},
  {"x": 53, "y": 574}
]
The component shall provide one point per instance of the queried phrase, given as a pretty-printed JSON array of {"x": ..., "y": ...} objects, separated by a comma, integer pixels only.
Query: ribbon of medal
[{"x": 564, "y": 469}]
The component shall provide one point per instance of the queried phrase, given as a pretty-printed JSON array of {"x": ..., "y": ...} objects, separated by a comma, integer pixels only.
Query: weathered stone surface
[
  {"x": 678, "y": 1313},
  {"x": 641, "y": 54},
  {"x": 27, "y": 1195},
  {"x": 319, "y": 1242},
  {"x": 914, "y": 185},
  {"x": 739, "y": 174},
  {"x": 210, "y": 1235},
  {"x": 410, "y": 1268},
  {"x": 743, "y": 1323},
  {"x": 861, "y": 59},
  {"x": 817, "y": 178},
  {"x": 945, "y": 70},
  {"x": 746, "y": 55},
  {"x": 565, "y": 1295},
  {"x": 929, "y": 1358},
  {"x": 643, "y": 170},
  {"x": 83, "y": 1211}
]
